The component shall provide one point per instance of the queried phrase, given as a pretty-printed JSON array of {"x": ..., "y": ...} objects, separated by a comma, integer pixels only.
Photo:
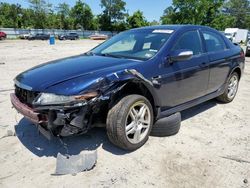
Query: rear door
[{"x": 219, "y": 57}]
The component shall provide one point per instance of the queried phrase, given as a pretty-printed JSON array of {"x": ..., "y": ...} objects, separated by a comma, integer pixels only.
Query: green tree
[
  {"x": 52, "y": 21},
  {"x": 10, "y": 15},
  {"x": 240, "y": 10},
  {"x": 95, "y": 23},
  {"x": 137, "y": 20},
  {"x": 154, "y": 22},
  {"x": 222, "y": 21},
  {"x": 82, "y": 15},
  {"x": 201, "y": 12},
  {"x": 219, "y": 14},
  {"x": 105, "y": 22},
  {"x": 27, "y": 18},
  {"x": 41, "y": 10},
  {"x": 113, "y": 14},
  {"x": 169, "y": 16},
  {"x": 248, "y": 21},
  {"x": 63, "y": 12}
]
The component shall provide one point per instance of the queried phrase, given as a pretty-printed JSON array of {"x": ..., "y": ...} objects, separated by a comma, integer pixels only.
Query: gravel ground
[{"x": 212, "y": 148}]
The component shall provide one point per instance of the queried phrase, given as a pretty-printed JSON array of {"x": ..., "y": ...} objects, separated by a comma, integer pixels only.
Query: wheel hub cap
[
  {"x": 232, "y": 87},
  {"x": 138, "y": 122}
]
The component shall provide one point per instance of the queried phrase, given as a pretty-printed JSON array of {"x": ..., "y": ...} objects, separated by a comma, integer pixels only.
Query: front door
[{"x": 187, "y": 80}]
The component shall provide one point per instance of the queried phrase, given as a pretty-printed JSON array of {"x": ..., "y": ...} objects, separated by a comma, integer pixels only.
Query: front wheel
[
  {"x": 129, "y": 122},
  {"x": 231, "y": 89}
]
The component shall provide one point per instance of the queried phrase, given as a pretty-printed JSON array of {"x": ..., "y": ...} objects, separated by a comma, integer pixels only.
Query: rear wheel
[
  {"x": 129, "y": 122},
  {"x": 231, "y": 89}
]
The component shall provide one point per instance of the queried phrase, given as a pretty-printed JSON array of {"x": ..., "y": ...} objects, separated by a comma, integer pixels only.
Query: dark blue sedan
[{"x": 130, "y": 82}]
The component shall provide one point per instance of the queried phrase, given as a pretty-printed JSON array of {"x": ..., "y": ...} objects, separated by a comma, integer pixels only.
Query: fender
[
  {"x": 234, "y": 69},
  {"x": 111, "y": 84}
]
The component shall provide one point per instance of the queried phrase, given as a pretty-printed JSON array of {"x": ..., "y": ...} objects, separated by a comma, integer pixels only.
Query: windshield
[{"x": 141, "y": 45}]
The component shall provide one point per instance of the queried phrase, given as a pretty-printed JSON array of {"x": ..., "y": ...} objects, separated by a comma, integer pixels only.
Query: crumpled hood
[{"x": 45, "y": 76}]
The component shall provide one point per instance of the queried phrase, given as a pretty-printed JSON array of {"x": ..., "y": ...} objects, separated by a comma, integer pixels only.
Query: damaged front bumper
[
  {"x": 57, "y": 120},
  {"x": 26, "y": 111}
]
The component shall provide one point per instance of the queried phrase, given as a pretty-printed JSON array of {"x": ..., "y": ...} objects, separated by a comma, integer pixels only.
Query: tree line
[{"x": 218, "y": 14}]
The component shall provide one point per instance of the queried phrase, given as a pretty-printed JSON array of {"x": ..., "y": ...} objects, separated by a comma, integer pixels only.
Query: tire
[
  {"x": 226, "y": 97},
  {"x": 167, "y": 126},
  {"x": 120, "y": 118}
]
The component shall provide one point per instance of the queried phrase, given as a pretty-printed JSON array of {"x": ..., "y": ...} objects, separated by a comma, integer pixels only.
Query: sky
[{"x": 152, "y": 9}]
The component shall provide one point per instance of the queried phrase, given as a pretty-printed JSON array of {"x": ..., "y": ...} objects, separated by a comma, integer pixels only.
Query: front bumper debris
[
  {"x": 26, "y": 111},
  {"x": 72, "y": 164}
]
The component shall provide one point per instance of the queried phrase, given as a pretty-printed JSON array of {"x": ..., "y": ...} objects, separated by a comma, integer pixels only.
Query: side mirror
[{"x": 180, "y": 55}]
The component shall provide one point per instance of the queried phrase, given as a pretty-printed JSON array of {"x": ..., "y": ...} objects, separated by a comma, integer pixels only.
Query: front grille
[{"x": 25, "y": 96}]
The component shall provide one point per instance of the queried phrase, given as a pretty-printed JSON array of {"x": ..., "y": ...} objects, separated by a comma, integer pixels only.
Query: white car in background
[
  {"x": 24, "y": 36},
  {"x": 98, "y": 36},
  {"x": 236, "y": 35}
]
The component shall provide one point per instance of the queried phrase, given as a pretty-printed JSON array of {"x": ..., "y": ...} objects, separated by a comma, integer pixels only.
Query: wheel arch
[
  {"x": 136, "y": 87},
  {"x": 237, "y": 70}
]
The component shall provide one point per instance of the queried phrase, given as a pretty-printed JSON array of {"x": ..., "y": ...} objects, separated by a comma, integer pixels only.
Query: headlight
[{"x": 53, "y": 99}]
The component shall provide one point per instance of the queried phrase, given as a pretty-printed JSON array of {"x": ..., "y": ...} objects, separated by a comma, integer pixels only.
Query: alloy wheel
[
  {"x": 232, "y": 87},
  {"x": 138, "y": 122}
]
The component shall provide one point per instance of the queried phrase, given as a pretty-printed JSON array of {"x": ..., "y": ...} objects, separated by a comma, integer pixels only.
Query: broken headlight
[{"x": 53, "y": 99}]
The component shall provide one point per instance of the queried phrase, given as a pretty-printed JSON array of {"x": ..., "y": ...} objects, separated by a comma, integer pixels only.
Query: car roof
[{"x": 171, "y": 27}]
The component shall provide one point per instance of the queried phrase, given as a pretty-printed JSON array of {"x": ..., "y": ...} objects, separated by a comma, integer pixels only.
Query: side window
[
  {"x": 189, "y": 41},
  {"x": 213, "y": 41}
]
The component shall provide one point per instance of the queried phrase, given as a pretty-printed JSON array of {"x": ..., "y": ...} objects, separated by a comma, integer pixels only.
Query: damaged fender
[{"x": 113, "y": 83}]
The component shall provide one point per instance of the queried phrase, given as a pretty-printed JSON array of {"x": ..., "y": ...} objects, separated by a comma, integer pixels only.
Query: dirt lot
[{"x": 212, "y": 148}]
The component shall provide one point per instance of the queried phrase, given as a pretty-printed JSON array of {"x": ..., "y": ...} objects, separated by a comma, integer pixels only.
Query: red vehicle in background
[{"x": 3, "y": 35}]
